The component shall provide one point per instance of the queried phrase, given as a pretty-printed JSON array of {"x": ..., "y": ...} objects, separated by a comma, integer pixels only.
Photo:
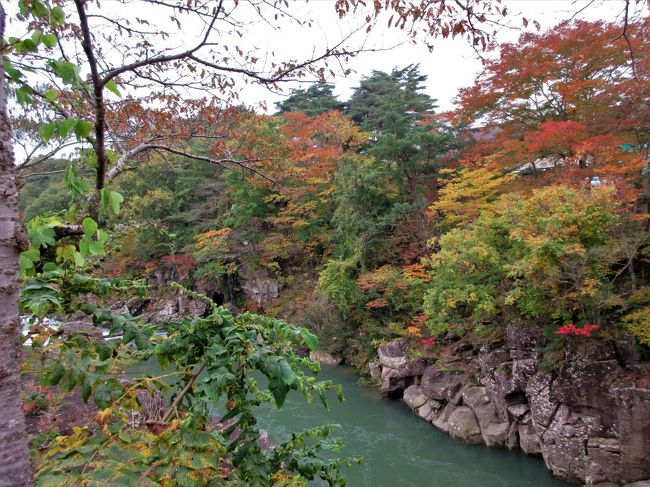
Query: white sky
[{"x": 451, "y": 65}]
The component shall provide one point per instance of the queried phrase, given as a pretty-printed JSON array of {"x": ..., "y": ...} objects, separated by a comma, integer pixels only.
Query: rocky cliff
[{"x": 585, "y": 410}]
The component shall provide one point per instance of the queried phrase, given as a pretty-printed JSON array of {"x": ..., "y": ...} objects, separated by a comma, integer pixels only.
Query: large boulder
[
  {"x": 496, "y": 370},
  {"x": 463, "y": 425},
  {"x": 441, "y": 385},
  {"x": 528, "y": 439},
  {"x": 442, "y": 420},
  {"x": 477, "y": 400},
  {"x": 427, "y": 411},
  {"x": 586, "y": 385},
  {"x": 393, "y": 383},
  {"x": 496, "y": 434},
  {"x": 414, "y": 397},
  {"x": 393, "y": 354},
  {"x": 542, "y": 403},
  {"x": 603, "y": 460},
  {"x": 324, "y": 358},
  {"x": 563, "y": 444}
]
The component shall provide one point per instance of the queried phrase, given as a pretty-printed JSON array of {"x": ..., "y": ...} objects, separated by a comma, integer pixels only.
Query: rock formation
[{"x": 587, "y": 413}]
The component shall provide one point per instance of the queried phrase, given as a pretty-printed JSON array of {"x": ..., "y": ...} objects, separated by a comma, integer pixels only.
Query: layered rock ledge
[{"x": 587, "y": 415}]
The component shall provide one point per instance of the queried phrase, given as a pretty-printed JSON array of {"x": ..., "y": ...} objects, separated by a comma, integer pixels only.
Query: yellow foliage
[
  {"x": 468, "y": 193},
  {"x": 638, "y": 321}
]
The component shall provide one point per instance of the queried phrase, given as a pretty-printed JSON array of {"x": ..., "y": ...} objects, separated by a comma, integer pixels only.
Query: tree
[
  {"x": 551, "y": 96},
  {"x": 405, "y": 136},
  {"x": 315, "y": 100},
  {"x": 15, "y": 469},
  {"x": 544, "y": 256}
]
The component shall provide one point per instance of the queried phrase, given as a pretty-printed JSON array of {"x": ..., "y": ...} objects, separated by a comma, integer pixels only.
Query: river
[{"x": 399, "y": 448}]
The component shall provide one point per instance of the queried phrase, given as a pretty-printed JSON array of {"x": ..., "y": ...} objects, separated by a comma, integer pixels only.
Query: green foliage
[
  {"x": 466, "y": 275},
  {"x": 338, "y": 282},
  {"x": 213, "y": 358},
  {"x": 315, "y": 100},
  {"x": 365, "y": 207},
  {"x": 637, "y": 320},
  {"x": 247, "y": 201},
  {"x": 544, "y": 256}
]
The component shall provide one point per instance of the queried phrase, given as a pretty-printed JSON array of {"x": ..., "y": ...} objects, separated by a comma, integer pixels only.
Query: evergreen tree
[
  {"x": 405, "y": 136},
  {"x": 318, "y": 98}
]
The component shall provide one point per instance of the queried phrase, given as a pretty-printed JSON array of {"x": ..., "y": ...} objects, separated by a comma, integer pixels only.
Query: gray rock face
[
  {"x": 633, "y": 407},
  {"x": 393, "y": 354},
  {"x": 397, "y": 371},
  {"x": 414, "y": 397},
  {"x": 442, "y": 421},
  {"x": 258, "y": 285},
  {"x": 426, "y": 412},
  {"x": 439, "y": 385},
  {"x": 603, "y": 460},
  {"x": 588, "y": 417},
  {"x": 496, "y": 434},
  {"x": 478, "y": 401},
  {"x": 463, "y": 425},
  {"x": 528, "y": 439}
]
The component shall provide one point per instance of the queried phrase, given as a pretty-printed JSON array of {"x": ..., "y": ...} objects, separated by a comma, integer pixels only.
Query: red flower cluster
[
  {"x": 427, "y": 342},
  {"x": 571, "y": 330}
]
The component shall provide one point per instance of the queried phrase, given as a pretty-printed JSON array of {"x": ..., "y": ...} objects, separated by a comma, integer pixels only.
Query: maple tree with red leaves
[{"x": 553, "y": 95}]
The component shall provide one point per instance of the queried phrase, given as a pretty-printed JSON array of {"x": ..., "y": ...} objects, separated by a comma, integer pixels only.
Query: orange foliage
[
  {"x": 416, "y": 271},
  {"x": 552, "y": 94}
]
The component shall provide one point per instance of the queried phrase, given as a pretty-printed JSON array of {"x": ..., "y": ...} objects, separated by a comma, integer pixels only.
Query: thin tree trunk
[{"x": 15, "y": 468}]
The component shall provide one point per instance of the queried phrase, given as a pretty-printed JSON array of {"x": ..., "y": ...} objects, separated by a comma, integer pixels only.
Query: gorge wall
[{"x": 585, "y": 410}]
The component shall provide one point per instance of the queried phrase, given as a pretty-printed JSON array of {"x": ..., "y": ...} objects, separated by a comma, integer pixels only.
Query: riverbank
[{"x": 584, "y": 409}]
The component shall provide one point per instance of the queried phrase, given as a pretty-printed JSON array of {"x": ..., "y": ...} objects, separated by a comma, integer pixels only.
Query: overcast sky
[{"x": 451, "y": 65}]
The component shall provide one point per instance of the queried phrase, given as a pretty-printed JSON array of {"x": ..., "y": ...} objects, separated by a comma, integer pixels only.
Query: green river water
[{"x": 399, "y": 448}]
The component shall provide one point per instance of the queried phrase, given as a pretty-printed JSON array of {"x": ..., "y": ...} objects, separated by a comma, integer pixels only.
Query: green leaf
[
  {"x": 27, "y": 45},
  {"x": 24, "y": 95},
  {"x": 111, "y": 86},
  {"x": 49, "y": 40},
  {"x": 36, "y": 36},
  {"x": 115, "y": 201},
  {"x": 66, "y": 126},
  {"x": 102, "y": 396},
  {"x": 89, "y": 225},
  {"x": 79, "y": 260},
  {"x": 57, "y": 16},
  {"x": 310, "y": 339},
  {"x": 51, "y": 95},
  {"x": 86, "y": 389},
  {"x": 83, "y": 128},
  {"x": 50, "y": 267},
  {"x": 32, "y": 254},
  {"x": 76, "y": 185},
  {"x": 25, "y": 264},
  {"x": 40, "y": 235},
  {"x": 56, "y": 375},
  {"x": 96, "y": 248},
  {"x": 47, "y": 131}
]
